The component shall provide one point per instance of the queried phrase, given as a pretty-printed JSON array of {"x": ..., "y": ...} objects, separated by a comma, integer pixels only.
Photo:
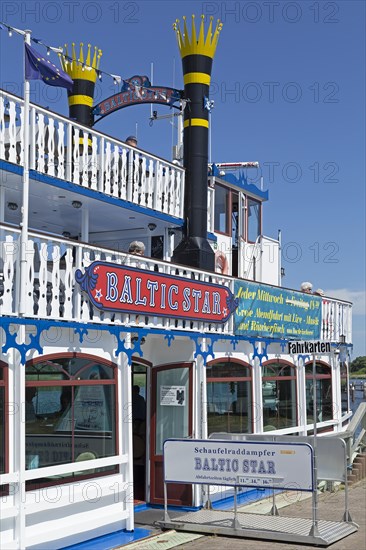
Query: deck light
[
  {"x": 12, "y": 206},
  {"x": 77, "y": 204}
]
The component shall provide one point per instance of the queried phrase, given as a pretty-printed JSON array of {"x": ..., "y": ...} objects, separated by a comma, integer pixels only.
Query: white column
[
  {"x": 301, "y": 396},
  {"x": 85, "y": 224},
  {"x": 125, "y": 412},
  {"x": 202, "y": 433},
  {"x": 2, "y": 204},
  {"x": 19, "y": 441},
  {"x": 257, "y": 395},
  {"x": 336, "y": 390}
]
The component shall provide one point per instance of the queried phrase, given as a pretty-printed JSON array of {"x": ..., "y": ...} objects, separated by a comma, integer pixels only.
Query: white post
[
  {"x": 85, "y": 224},
  {"x": 2, "y": 204},
  {"x": 336, "y": 367},
  {"x": 314, "y": 529},
  {"x": 201, "y": 431},
  {"x": 25, "y": 205},
  {"x": 180, "y": 136},
  {"x": 279, "y": 258},
  {"x": 19, "y": 443},
  {"x": 301, "y": 389},
  {"x": 128, "y": 435},
  {"x": 257, "y": 376}
]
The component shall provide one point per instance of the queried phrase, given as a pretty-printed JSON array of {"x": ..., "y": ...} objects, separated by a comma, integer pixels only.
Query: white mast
[{"x": 25, "y": 200}]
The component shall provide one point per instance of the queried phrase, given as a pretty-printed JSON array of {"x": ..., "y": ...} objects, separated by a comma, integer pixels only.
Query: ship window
[
  {"x": 323, "y": 380},
  {"x": 229, "y": 397},
  {"x": 70, "y": 412},
  {"x": 344, "y": 387},
  {"x": 279, "y": 396},
  {"x": 222, "y": 196},
  {"x": 254, "y": 220}
]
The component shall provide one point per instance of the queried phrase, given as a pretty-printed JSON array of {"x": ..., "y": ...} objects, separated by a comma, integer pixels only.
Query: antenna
[
  {"x": 152, "y": 83},
  {"x": 173, "y": 119},
  {"x": 209, "y": 137}
]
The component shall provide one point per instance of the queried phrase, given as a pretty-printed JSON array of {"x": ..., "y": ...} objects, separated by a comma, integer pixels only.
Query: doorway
[
  {"x": 171, "y": 417},
  {"x": 139, "y": 399}
]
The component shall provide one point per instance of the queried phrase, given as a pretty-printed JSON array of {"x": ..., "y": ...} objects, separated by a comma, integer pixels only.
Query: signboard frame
[
  {"x": 252, "y": 477},
  {"x": 126, "y": 289},
  {"x": 276, "y": 312}
]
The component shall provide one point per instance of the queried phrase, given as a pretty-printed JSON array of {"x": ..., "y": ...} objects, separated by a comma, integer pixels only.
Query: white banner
[{"x": 239, "y": 463}]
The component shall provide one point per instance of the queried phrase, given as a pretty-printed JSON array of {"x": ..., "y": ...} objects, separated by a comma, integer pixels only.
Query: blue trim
[
  {"x": 239, "y": 180},
  {"x": 96, "y": 195},
  {"x": 10, "y": 167},
  {"x": 110, "y": 541},
  {"x": 249, "y": 187},
  {"x": 141, "y": 507},
  {"x": 248, "y": 496},
  {"x": 123, "y": 537},
  {"x": 211, "y": 236},
  {"x": 117, "y": 330},
  {"x": 175, "y": 508}
]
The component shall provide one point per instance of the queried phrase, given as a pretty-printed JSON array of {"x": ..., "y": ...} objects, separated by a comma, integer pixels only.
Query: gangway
[{"x": 242, "y": 460}]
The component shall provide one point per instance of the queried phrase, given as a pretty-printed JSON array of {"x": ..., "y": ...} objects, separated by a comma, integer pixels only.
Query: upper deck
[
  {"x": 64, "y": 150},
  {"x": 89, "y": 196}
]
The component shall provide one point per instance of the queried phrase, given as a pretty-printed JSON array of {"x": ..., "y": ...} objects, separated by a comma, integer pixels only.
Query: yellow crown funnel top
[
  {"x": 197, "y": 50},
  {"x": 83, "y": 70}
]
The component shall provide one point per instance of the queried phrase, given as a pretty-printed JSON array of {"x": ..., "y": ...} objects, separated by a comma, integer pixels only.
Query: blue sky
[{"x": 289, "y": 89}]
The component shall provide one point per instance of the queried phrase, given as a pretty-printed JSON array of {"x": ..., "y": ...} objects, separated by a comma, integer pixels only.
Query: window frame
[
  {"x": 258, "y": 202},
  {"x": 319, "y": 376},
  {"x": 244, "y": 230},
  {"x": 230, "y": 379},
  {"x": 227, "y": 231},
  {"x": 283, "y": 364},
  {"x": 73, "y": 383}
]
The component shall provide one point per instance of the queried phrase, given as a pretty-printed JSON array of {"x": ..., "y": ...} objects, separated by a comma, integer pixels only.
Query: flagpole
[{"x": 25, "y": 201}]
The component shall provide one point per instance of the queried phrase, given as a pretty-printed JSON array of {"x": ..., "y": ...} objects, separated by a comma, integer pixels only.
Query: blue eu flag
[{"x": 39, "y": 68}]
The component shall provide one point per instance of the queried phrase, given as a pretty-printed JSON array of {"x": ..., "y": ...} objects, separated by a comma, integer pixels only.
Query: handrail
[
  {"x": 65, "y": 149},
  {"x": 355, "y": 443},
  {"x": 65, "y": 119},
  {"x": 52, "y": 261}
]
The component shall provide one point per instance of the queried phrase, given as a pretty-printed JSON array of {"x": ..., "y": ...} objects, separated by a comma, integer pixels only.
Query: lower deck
[{"x": 110, "y": 398}]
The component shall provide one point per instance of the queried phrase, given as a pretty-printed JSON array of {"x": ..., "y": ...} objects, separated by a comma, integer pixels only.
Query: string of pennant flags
[{"x": 126, "y": 84}]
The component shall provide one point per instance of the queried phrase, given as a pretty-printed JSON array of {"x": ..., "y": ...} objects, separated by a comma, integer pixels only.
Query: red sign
[{"x": 130, "y": 290}]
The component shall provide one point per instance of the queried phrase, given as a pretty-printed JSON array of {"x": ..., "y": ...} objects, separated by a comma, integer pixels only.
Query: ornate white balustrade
[
  {"x": 63, "y": 149},
  {"x": 51, "y": 290}
]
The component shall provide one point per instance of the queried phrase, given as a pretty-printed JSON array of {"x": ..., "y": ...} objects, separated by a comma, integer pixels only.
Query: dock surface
[{"x": 331, "y": 508}]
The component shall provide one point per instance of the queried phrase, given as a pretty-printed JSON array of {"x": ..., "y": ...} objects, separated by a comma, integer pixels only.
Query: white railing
[
  {"x": 336, "y": 320},
  {"x": 51, "y": 291},
  {"x": 66, "y": 150}
]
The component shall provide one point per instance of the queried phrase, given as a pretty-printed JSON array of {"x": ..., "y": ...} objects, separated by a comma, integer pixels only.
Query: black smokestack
[
  {"x": 84, "y": 74},
  {"x": 197, "y": 56}
]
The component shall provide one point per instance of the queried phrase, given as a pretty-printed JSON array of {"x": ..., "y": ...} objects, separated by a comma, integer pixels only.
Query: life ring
[{"x": 221, "y": 263}]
